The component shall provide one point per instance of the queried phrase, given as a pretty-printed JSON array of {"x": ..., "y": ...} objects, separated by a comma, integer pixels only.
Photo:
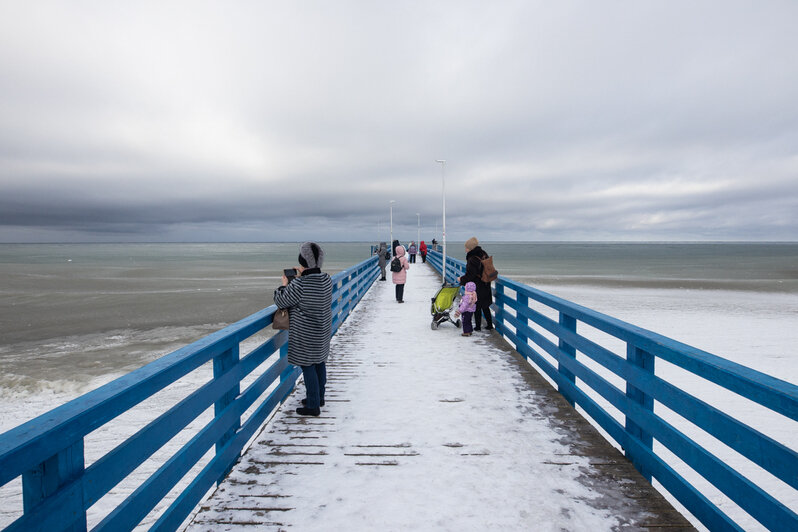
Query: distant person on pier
[
  {"x": 400, "y": 277},
  {"x": 308, "y": 299},
  {"x": 383, "y": 255},
  {"x": 412, "y": 252},
  {"x": 434, "y": 243},
  {"x": 473, "y": 274},
  {"x": 422, "y": 248}
]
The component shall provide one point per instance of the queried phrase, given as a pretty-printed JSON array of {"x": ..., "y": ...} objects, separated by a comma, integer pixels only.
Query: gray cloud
[{"x": 267, "y": 121}]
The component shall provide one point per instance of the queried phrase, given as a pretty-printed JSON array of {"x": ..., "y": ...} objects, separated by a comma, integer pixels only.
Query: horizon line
[{"x": 409, "y": 240}]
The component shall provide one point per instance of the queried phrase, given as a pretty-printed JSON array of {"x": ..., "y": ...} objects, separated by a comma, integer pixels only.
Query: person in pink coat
[
  {"x": 468, "y": 305},
  {"x": 399, "y": 278}
]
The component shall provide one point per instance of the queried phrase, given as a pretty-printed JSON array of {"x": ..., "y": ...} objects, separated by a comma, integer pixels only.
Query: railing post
[
  {"x": 50, "y": 475},
  {"x": 645, "y": 361},
  {"x": 288, "y": 368},
  {"x": 498, "y": 300},
  {"x": 350, "y": 288},
  {"x": 569, "y": 323},
  {"x": 523, "y": 301},
  {"x": 221, "y": 365}
]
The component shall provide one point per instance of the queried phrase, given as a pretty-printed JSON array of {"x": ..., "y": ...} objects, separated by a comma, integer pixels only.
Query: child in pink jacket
[
  {"x": 400, "y": 277},
  {"x": 468, "y": 304}
]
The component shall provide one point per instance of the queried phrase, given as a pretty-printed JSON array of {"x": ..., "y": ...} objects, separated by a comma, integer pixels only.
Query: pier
[
  {"x": 425, "y": 429},
  {"x": 422, "y": 428}
]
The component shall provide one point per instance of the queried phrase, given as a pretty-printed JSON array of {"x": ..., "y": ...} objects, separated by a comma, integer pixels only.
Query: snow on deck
[{"x": 428, "y": 430}]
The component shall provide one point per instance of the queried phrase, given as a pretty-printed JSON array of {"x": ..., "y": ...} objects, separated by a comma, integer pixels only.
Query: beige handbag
[{"x": 280, "y": 319}]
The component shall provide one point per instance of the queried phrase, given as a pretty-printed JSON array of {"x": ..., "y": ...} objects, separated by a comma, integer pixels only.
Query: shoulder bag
[{"x": 280, "y": 319}]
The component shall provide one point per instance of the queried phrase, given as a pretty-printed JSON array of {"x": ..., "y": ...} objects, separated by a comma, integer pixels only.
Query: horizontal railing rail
[
  {"x": 48, "y": 451},
  {"x": 523, "y": 326}
]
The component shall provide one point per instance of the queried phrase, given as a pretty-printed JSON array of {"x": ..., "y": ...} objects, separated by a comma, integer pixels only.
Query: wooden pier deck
[{"x": 428, "y": 430}]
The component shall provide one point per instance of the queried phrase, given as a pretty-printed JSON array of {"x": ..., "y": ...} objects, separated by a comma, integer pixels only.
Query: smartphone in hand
[{"x": 290, "y": 274}]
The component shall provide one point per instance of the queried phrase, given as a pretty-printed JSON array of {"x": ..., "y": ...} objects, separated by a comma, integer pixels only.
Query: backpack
[
  {"x": 396, "y": 265},
  {"x": 489, "y": 273}
]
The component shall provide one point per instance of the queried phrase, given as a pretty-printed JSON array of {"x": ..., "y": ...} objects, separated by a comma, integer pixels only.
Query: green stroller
[{"x": 442, "y": 306}]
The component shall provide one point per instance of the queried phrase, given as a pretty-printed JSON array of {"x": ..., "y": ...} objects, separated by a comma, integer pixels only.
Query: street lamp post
[
  {"x": 391, "y": 244},
  {"x": 443, "y": 193}
]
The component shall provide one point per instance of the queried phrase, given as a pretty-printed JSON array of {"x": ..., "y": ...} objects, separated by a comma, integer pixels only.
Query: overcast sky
[{"x": 264, "y": 121}]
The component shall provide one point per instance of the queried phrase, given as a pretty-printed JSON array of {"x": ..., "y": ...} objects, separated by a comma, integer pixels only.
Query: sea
[{"x": 75, "y": 316}]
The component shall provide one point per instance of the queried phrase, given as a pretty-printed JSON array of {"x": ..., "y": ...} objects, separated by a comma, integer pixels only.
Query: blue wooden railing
[
  {"x": 521, "y": 325},
  {"x": 47, "y": 452}
]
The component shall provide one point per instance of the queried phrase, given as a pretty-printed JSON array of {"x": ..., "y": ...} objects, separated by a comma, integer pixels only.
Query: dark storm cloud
[{"x": 262, "y": 120}]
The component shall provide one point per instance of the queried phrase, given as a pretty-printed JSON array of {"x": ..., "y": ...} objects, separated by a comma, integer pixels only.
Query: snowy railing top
[
  {"x": 584, "y": 371},
  {"x": 48, "y": 451}
]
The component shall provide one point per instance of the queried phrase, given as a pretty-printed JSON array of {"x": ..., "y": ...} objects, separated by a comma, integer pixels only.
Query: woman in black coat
[{"x": 473, "y": 273}]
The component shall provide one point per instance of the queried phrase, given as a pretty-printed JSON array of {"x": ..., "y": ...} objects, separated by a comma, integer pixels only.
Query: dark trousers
[
  {"x": 483, "y": 307},
  {"x": 467, "y": 328},
  {"x": 400, "y": 292},
  {"x": 412, "y": 258},
  {"x": 423, "y": 257},
  {"x": 315, "y": 381}
]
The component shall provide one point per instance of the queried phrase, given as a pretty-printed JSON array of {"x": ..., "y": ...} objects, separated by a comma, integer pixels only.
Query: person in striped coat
[{"x": 308, "y": 299}]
